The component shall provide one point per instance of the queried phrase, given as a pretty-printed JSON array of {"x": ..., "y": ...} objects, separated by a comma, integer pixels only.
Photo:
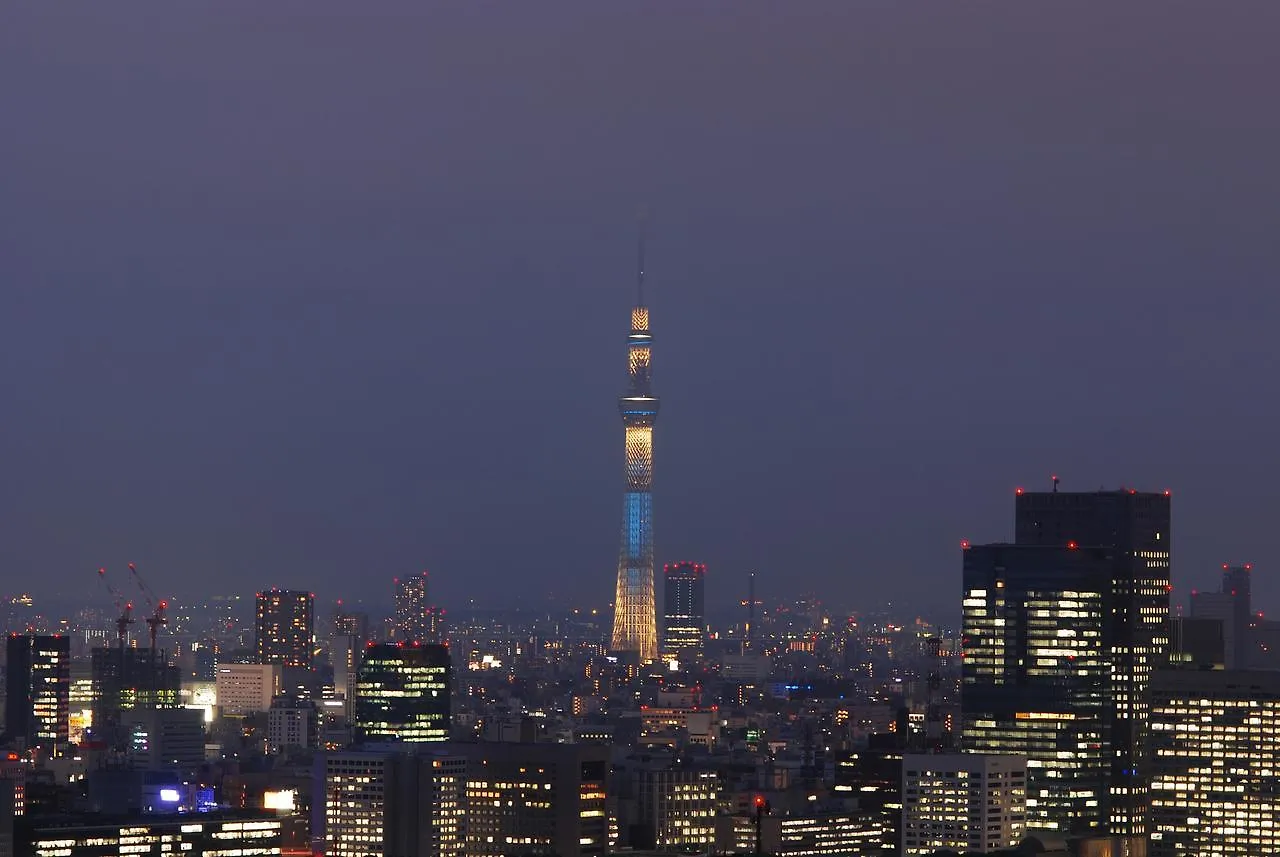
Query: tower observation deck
[{"x": 635, "y": 616}]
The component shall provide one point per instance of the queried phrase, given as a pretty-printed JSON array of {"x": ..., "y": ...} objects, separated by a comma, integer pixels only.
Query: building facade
[
  {"x": 525, "y": 798},
  {"x": 38, "y": 690},
  {"x": 243, "y": 834},
  {"x": 1062, "y": 631},
  {"x": 125, "y": 679},
  {"x": 635, "y": 631},
  {"x": 402, "y": 693},
  {"x": 683, "y": 607},
  {"x": 968, "y": 802},
  {"x": 390, "y": 801},
  {"x": 417, "y": 619},
  {"x": 246, "y": 688},
  {"x": 285, "y": 628},
  {"x": 1215, "y": 763}
]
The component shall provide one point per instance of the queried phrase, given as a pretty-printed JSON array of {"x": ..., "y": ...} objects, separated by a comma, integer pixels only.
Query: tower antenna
[{"x": 642, "y": 227}]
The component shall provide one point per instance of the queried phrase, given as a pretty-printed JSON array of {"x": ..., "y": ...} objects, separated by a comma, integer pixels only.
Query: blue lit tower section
[{"x": 634, "y": 618}]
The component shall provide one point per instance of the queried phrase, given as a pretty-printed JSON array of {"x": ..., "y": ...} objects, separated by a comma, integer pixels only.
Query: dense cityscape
[
  {"x": 832, "y": 428},
  {"x": 1071, "y": 712}
]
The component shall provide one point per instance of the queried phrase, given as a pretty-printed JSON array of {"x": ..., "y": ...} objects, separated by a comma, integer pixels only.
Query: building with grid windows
[
  {"x": 1062, "y": 631},
  {"x": 1215, "y": 763},
  {"x": 965, "y": 801},
  {"x": 390, "y": 800},
  {"x": 38, "y": 690},
  {"x": 683, "y": 607},
  {"x": 223, "y": 834},
  {"x": 402, "y": 693},
  {"x": 417, "y": 619},
  {"x": 285, "y": 628}
]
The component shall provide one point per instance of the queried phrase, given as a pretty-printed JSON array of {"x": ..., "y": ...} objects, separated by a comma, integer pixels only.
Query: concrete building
[
  {"x": 292, "y": 723},
  {"x": 246, "y": 688},
  {"x": 164, "y": 738},
  {"x": 536, "y": 799},
  {"x": 1215, "y": 741},
  {"x": 391, "y": 800},
  {"x": 963, "y": 801},
  {"x": 246, "y": 834},
  {"x": 285, "y": 628}
]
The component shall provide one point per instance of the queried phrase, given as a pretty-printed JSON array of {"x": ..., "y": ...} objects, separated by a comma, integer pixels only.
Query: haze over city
[{"x": 320, "y": 294}]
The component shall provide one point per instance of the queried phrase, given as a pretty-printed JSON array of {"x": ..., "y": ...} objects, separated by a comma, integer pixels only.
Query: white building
[
  {"x": 292, "y": 722},
  {"x": 246, "y": 688},
  {"x": 963, "y": 801}
]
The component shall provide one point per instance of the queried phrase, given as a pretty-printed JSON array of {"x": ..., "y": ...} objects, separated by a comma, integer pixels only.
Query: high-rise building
[
  {"x": 293, "y": 722},
  {"x": 635, "y": 630},
  {"x": 345, "y": 652},
  {"x": 1215, "y": 753},
  {"x": 1061, "y": 633},
  {"x": 417, "y": 619},
  {"x": 1233, "y": 606},
  {"x": 390, "y": 801},
  {"x": 1136, "y": 526},
  {"x": 672, "y": 808},
  {"x": 164, "y": 738},
  {"x": 964, "y": 801},
  {"x": 38, "y": 690},
  {"x": 285, "y": 628},
  {"x": 683, "y": 600},
  {"x": 537, "y": 799},
  {"x": 402, "y": 692}
]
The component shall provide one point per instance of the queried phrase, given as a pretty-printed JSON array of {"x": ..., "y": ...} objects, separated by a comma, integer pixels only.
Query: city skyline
[{"x": 282, "y": 354}]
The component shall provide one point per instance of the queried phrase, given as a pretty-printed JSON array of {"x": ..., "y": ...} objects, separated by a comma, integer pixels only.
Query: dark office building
[
  {"x": 536, "y": 799},
  {"x": 285, "y": 628},
  {"x": 1237, "y": 582},
  {"x": 1062, "y": 632},
  {"x": 402, "y": 693},
  {"x": 38, "y": 690},
  {"x": 683, "y": 599},
  {"x": 125, "y": 679}
]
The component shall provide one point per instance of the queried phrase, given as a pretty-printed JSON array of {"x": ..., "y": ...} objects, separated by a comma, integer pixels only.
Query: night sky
[{"x": 314, "y": 294}]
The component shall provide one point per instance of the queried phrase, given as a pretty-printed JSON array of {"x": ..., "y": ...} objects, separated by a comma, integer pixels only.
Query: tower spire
[{"x": 642, "y": 223}]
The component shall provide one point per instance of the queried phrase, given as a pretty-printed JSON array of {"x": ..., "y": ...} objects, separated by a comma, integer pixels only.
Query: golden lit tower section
[{"x": 635, "y": 618}]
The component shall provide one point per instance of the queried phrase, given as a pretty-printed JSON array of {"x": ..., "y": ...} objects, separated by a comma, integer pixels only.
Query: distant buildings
[
  {"x": 402, "y": 693},
  {"x": 246, "y": 688},
  {"x": 417, "y": 619},
  {"x": 284, "y": 628},
  {"x": 968, "y": 802},
  {"x": 683, "y": 606},
  {"x": 390, "y": 801},
  {"x": 1062, "y": 631},
  {"x": 38, "y": 690},
  {"x": 1215, "y": 763},
  {"x": 164, "y": 738},
  {"x": 1232, "y": 605}
]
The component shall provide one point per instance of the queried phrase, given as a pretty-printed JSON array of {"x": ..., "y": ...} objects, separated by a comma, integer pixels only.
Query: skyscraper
[
  {"x": 683, "y": 599},
  {"x": 38, "y": 690},
  {"x": 402, "y": 692},
  {"x": 284, "y": 630},
  {"x": 1062, "y": 632},
  {"x": 1214, "y": 756},
  {"x": 635, "y": 630},
  {"x": 416, "y": 618}
]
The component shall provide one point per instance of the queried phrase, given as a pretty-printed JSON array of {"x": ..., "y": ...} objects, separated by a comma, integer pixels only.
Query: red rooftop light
[{"x": 1071, "y": 545}]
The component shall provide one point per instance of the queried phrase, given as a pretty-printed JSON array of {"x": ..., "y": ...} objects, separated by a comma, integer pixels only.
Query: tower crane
[
  {"x": 156, "y": 605},
  {"x": 125, "y": 618}
]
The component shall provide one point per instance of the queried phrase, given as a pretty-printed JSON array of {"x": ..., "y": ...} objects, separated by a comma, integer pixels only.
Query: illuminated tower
[{"x": 634, "y": 615}]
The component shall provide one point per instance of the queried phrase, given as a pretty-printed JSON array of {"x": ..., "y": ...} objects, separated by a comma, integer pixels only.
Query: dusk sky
[{"x": 315, "y": 294}]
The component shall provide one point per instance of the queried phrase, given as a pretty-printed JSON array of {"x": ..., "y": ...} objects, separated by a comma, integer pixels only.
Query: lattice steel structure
[{"x": 634, "y": 614}]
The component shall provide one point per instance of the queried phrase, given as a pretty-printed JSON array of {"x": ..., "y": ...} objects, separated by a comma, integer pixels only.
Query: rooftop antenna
[{"x": 1055, "y": 484}]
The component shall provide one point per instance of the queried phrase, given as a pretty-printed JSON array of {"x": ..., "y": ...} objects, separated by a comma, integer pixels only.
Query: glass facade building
[{"x": 402, "y": 692}]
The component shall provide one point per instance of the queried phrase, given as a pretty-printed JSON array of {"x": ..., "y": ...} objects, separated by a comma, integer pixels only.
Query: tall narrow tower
[{"x": 635, "y": 627}]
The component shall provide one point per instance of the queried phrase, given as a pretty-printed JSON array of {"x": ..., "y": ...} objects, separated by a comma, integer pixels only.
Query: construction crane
[
  {"x": 156, "y": 605},
  {"x": 125, "y": 607}
]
